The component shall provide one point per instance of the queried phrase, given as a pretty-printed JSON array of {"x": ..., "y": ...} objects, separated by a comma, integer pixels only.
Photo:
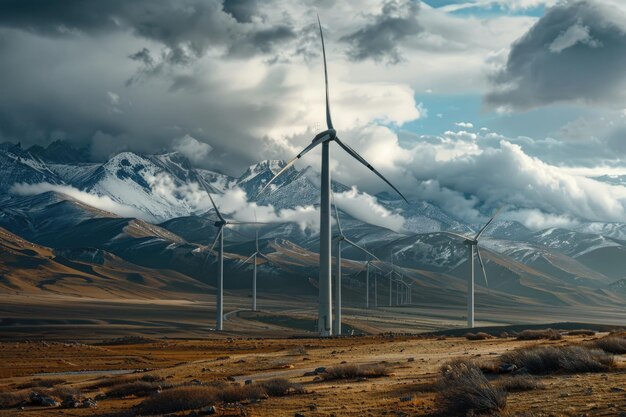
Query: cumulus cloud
[
  {"x": 100, "y": 202},
  {"x": 193, "y": 149},
  {"x": 366, "y": 208},
  {"x": 465, "y": 125},
  {"x": 575, "y": 53}
]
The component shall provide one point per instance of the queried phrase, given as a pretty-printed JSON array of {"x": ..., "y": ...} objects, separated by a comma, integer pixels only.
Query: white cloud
[
  {"x": 100, "y": 202},
  {"x": 537, "y": 220},
  {"x": 364, "y": 207},
  {"x": 193, "y": 149},
  {"x": 465, "y": 125},
  {"x": 577, "y": 33}
]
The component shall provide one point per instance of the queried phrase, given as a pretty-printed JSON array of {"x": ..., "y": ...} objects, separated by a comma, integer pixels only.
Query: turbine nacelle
[{"x": 332, "y": 134}]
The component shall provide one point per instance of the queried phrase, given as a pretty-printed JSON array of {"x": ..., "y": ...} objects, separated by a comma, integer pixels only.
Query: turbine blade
[
  {"x": 361, "y": 248},
  {"x": 482, "y": 265},
  {"x": 329, "y": 122},
  {"x": 247, "y": 259},
  {"x": 359, "y": 158},
  {"x": 332, "y": 196},
  {"x": 456, "y": 235},
  {"x": 316, "y": 141},
  {"x": 237, "y": 223},
  {"x": 217, "y": 236},
  {"x": 256, "y": 239},
  {"x": 480, "y": 232},
  {"x": 260, "y": 255},
  {"x": 204, "y": 185}
]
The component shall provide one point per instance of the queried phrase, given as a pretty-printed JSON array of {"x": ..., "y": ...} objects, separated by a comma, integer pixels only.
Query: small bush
[
  {"x": 135, "y": 389},
  {"x": 349, "y": 371},
  {"x": 236, "y": 393},
  {"x": 477, "y": 336},
  {"x": 581, "y": 332},
  {"x": 42, "y": 383},
  {"x": 611, "y": 344},
  {"x": 464, "y": 390},
  {"x": 549, "y": 334},
  {"x": 178, "y": 399},
  {"x": 548, "y": 359},
  {"x": 519, "y": 383},
  {"x": 12, "y": 399},
  {"x": 279, "y": 387}
]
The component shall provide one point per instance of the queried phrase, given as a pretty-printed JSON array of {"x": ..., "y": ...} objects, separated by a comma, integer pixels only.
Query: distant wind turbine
[
  {"x": 473, "y": 250},
  {"x": 220, "y": 224},
  {"x": 253, "y": 257},
  {"x": 324, "y": 138},
  {"x": 369, "y": 264},
  {"x": 340, "y": 239}
]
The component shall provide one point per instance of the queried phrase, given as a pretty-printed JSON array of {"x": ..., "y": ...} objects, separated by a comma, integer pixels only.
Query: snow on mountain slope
[{"x": 18, "y": 166}]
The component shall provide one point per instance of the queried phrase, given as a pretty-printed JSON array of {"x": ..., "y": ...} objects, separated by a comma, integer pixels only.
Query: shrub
[
  {"x": 136, "y": 389},
  {"x": 236, "y": 393},
  {"x": 581, "y": 332},
  {"x": 464, "y": 390},
  {"x": 108, "y": 381},
  {"x": 519, "y": 383},
  {"x": 477, "y": 336},
  {"x": 280, "y": 387},
  {"x": 349, "y": 371},
  {"x": 549, "y": 334},
  {"x": 12, "y": 399},
  {"x": 570, "y": 359},
  {"x": 178, "y": 399},
  {"x": 611, "y": 344}
]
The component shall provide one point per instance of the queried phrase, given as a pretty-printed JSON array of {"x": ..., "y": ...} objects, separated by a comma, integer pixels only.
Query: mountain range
[{"x": 141, "y": 224}]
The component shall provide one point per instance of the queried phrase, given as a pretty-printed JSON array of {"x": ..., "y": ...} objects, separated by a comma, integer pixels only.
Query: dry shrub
[
  {"x": 135, "y": 389},
  {"x": 464, "y": 390},
  {"x": 611, "y": 344},
  {"x": 349, "y": 371},
  {"x": 581, "y": 332},
  {"x": 477, "y": 336},
  {"x": 190, "y": 397},
  {"x": 569, "y": 359},
  {"x": 518, "y": 383},
  {"x": 279, "y": 387},
  {"x": 549, "y": 334},
  {"x": 108, "y": 381},
  {"x": 178, "y": 399},
  {"x": 13, "y": 399},
  {"x": 42, "y": 383},
  {"x": 60, "y": 393}
]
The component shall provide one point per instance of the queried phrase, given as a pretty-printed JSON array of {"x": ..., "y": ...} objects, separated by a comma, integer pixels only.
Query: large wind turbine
[
  {"x": 220, "y": 224},
  {"x": 340, "y": 239},
  {"x": 472, "y": 246},
  {"x": 324, "y": 138}
]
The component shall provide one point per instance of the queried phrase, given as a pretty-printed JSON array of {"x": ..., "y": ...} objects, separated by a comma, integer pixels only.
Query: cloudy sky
[{"x": 468, "y": 104}]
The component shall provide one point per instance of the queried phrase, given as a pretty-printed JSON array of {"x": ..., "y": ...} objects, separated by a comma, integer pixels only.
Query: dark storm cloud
[
  {"x": 187, "y": 27},
  {"x": 380, "y": 39},
  {"x": 242, "y": 10},
  {"x": 575, "y": 53}
]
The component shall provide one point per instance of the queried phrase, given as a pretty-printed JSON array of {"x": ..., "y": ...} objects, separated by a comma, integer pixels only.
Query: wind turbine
[
  {"x": 391, "y": 280},
  {"x": 472, "y": 246},
  {"x": 253, "y": 257},
  {"x": 220, "y": 224},
  {"x": 325, "y": 138},
  {"x": 340, "y": 239},
  {"x": 369, "y": 264}
]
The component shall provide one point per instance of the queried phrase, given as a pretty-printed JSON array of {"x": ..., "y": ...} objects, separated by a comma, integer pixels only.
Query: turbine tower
[
  {"x": 221, "y": 223},
  {"x": 472, "y": 246},
  {"x": 324, "y": 324},
  {"x": 340, "y": 239}
]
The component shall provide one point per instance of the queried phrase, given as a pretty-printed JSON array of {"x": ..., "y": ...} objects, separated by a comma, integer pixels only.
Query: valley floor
[{"x": 408, "y": 390}]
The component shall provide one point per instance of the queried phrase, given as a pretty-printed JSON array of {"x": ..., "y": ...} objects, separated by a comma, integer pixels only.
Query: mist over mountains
[{"x": 148, "y": 210}]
